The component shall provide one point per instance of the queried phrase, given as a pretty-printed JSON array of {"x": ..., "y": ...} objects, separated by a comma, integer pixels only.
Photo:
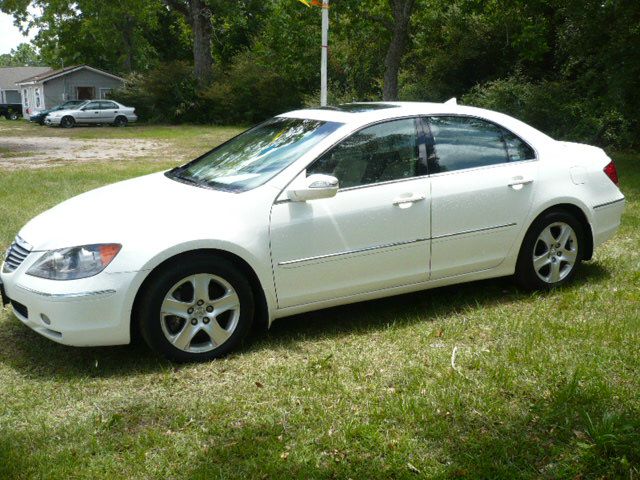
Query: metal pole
[{"x": 325, "y": 47}]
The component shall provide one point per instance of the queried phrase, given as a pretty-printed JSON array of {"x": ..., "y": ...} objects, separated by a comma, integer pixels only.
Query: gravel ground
[{"x": 41, "y": 152}]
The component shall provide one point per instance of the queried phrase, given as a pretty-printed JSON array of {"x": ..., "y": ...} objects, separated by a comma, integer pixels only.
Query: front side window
[
  {"x": 257, "y": 155},
  {"x": 380, "y": 153},
  {"x": 468, "y": 142}
]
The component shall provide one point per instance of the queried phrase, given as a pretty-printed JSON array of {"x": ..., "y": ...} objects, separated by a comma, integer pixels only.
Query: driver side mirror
[{"x": 314, "y": 187}]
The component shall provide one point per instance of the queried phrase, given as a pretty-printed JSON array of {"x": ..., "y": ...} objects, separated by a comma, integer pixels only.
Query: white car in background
[
  {"x": 311, "y": 209},
  {"x": 92, "y": 112}
]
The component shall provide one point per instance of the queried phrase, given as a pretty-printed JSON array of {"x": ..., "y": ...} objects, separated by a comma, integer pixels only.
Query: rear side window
[
  {"x": 467, "y": 142},
  {"x": 108, "y": 105},
  {"x": 518, "y": 150},
  {"x": 381, "y": 153}
]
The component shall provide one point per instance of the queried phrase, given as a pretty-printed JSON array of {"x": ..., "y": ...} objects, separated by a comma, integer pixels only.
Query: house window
[
  {"x": 37, "y": 98},
  {"x": 104, "y": 93},
  {"x": 25, "y": 97}
]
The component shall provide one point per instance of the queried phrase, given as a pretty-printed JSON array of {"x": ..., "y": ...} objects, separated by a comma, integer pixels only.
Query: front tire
[
  {"x": 197, "y": 309},
  {"x": 551, "y": 252},
  {"x": 67, "y": 122}
]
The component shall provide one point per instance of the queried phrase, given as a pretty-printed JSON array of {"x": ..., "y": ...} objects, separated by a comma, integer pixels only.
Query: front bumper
[
  {"x": 52, "y": 121},
  {"x": 90, "y": 312}
]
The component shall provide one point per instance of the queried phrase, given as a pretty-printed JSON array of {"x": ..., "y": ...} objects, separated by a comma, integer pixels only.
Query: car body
[
  {"x": 11, "y": 111},
  {"x": 39, "y": 117},
  {"x": 428, "y": 195},
  {"x": 92, "y": 112}
]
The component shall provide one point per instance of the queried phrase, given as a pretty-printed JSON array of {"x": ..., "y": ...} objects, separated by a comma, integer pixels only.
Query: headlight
[{"x": 75, "y": 262}]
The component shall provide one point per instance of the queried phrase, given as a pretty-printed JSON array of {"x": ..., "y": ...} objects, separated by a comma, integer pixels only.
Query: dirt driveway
[{"x": 25, "y": 152}]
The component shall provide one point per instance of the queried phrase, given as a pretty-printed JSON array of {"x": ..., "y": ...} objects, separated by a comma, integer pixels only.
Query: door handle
[
  {"x": 413, "y": 198},
  {"x": 519, "y": 182}
]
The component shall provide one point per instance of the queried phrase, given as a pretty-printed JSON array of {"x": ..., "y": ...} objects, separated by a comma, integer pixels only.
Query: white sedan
[
  {"x": 311, "y": 209},
  {"x": 92, "y": 112}
]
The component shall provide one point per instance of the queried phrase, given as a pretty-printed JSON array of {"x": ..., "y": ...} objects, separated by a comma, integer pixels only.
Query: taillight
[{"x": 611, "y": 172}]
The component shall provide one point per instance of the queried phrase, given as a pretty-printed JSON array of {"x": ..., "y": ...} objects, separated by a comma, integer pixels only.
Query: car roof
[{"x": 363, "y": 113}]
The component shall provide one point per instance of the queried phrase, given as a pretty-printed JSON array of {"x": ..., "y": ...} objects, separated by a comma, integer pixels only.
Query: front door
[
  {"x": 482, "y": 184},
  {"x": 374, "y": 234},
  {"x": 90, "y": 113}
]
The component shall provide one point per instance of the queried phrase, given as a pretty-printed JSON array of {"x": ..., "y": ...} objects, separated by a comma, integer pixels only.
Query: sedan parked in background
[
  {"x": 39, "y": 117},
  {"x": 311, "y": 209},
  {"x": 92, "y": 112}
]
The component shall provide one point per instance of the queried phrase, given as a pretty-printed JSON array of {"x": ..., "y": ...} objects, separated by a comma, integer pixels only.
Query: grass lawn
[{"x": 545, "y": 385}]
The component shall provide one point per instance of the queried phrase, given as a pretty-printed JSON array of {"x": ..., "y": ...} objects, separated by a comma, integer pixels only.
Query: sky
[{"x": 10, "y": 36}]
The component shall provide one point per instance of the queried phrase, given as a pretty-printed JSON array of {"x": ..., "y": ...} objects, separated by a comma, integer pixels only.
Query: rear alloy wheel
[
  {"x": 13, "y": 116},
  {"x": 67, "y": 122},
  {"x": 197, "y": 310},
  {"x": 120, "y": 121},
  {"x": 551, "y": 251}
]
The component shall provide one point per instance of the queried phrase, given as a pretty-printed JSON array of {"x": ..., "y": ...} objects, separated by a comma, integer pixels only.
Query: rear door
[
  {"x": 108, "y": 111},
  {"x": 482, "y": 182}
]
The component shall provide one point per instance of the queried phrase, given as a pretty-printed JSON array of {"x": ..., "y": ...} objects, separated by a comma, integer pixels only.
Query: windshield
[{"x": 255, "y": 156}]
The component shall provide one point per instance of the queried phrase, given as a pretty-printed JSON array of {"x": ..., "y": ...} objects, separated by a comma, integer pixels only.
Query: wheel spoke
[
  {"x": 182, "y": 340},
  {"x": 230, "y": 301},
  {"x": 217, "y": 334},
  {"x": 201, "y": 287},
  {"x": 554, "y": 274},
  {"x": 541, "y": 261},
  {"x": 547, "y": 238},
  {"x": 565, "y": 233},
  {"x": 569, "y": 256},
  {"x": 171, "y": 306}
]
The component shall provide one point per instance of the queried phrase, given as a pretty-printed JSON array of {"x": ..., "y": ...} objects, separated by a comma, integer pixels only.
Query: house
[
  {"x": 9, "y": 76},
  {"x": 80, "y": 82}
]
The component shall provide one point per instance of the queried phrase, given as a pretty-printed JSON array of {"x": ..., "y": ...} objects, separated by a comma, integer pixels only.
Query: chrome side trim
[
  {"x": 474, "y": 231},
  {"x": 64, "y": 296},
  {"x": 609, "y": 203},
  {"x": 350, "y": 252}
]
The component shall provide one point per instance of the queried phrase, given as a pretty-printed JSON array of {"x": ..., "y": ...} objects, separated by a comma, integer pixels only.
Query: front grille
[
  {"x": 20, "y": 309},
  {"x": 18, "y": 251}
]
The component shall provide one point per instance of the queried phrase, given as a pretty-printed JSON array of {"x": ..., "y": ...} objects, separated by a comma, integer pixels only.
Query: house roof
[
  {"x": 50, "y": 75},
  {"x": 10, "y": 76}
]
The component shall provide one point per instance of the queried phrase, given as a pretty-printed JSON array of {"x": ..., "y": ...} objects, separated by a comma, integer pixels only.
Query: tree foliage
[{"x": 570, "y": 67}]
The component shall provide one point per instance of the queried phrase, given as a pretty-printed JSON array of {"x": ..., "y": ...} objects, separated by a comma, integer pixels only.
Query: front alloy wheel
[
  {"x": 197, "y": 308},
  {"x": 200, "y": 313}
]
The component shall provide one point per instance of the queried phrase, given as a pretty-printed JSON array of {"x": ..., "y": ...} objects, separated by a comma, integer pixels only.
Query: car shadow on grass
[{"x": 34, "y": 355}]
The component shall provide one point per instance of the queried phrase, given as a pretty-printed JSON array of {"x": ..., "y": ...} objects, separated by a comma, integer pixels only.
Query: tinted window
[
  {"x": 518, "y": 150},
  {"x": 465, "y": 142},
  {"x": 92, "y": 106},
  {"x": 380, "y": 153},
  {"x": 108, "y": 106}
]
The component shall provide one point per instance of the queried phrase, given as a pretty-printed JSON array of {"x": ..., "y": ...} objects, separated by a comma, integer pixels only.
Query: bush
[
  {"x": 555, "y": 108},
  {"x": 248, "y": 92},
  {"x": 167, "y": 93}
]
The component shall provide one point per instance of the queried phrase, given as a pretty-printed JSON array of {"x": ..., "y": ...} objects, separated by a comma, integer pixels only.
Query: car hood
[
  {"x": 131, "y": 212},
  {"x": 63, "y": 112}
]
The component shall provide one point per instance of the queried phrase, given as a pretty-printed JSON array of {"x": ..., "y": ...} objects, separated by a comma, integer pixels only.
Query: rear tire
[
  {"x": 13, "y": 116},
  {"x": 551, "y": 251},
  {"x": 67, "y": 122},
  {"x": 197, "y": 309},
  {"x": 120, "y": 121}
]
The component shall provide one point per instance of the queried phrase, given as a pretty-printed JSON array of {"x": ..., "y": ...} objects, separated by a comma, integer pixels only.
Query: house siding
[{"x": 65, "y": 87}]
